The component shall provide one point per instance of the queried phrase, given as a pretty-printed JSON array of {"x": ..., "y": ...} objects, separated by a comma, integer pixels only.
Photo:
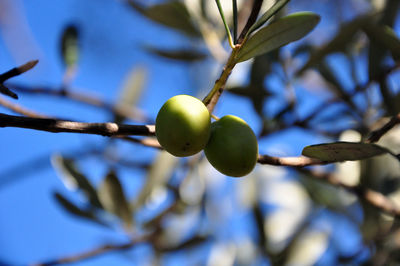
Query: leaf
[
  {"x": 179, "y": 54},
  {"x": 157, "y": 176},
  {"x": 257, "y": 95},
  {"x": 75, "y": 210},
  {"x": 343, "y": 151},
  {"x": 173, "y": 14},
  {"x": 277, "y": 34},
  {"x": 268, "y": 14},
  {"x": 73, "y": 179},
  {"x": 385, "y": 37},
  {"x": 113, "y": 199},
  {"x": 70, "y": 45}
]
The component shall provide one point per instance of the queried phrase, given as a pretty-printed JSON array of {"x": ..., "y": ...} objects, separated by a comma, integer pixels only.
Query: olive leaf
[
  {"x": 385, "y": 37},
  {"x": 70, "y": 45},
  {"x": 173, "y": 14},
  {"x": 277, "y": 34},
  {"x": 343, "y": 151},
  {"x": 183, "y": 55},
  {"x": 268, "y": 14},
  {"x": 74, "y": 179},
  {"x": 75, "y": 210},
  {"x": 113, "y": 199}
]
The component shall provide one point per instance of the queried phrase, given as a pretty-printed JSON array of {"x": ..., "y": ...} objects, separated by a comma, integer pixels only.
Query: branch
[
  {"x": 97, "y": 251},
  {"x": 20, "y": 109},
  {"x": 300, "y": 161},
  {"x": 131, "y": 113},
  {"x": 377, "y": 134},
  {"x": 57, "y": 126}
]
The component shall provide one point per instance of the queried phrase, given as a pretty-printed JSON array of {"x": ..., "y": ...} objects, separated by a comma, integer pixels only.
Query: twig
[
  {"x": 56, "y": 126},
  {"x": 377, "y": 134},
  {"x": 300, "y": 161},
  {"x": 150, "y": 142},
  {"x": 133, "y": 114},
  {"x": 20, "y": 109},
  {"x": 97, "y": 251}
]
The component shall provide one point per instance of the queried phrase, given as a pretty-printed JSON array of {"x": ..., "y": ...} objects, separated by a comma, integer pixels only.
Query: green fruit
[
  {"x": 183, "y": 125},
  {"x": 232, "y": 148}
]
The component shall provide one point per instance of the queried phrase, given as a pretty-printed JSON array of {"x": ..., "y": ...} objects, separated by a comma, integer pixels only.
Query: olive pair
[{"x": 184, "y": 128}]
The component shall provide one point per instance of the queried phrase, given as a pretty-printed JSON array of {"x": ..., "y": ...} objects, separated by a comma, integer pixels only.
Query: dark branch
[
  {"x": 56, "y": 126},
  {"x": 377, "y": 134}
]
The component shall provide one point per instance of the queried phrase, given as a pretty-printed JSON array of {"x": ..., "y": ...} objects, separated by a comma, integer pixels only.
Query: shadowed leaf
[
  {"x": 73, "y": 179},
  {"x": 385, "y": 37},
  {"x": 268, "y": 14},
  {"x": 277, "y": 34},
  {"x": 173, "y": 14},
  {"x": 343, "y": 151},
  {"x": 179, "y": 55},
  {"x": 113, "y": 199},
  {"x": 75, "y": 210},
  {"x": 340, "y": 42}
]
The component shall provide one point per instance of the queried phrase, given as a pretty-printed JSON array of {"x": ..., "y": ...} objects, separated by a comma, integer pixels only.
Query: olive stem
[
  {"x": 215, "y": 117},
  {"x": 212, "y": 97}
]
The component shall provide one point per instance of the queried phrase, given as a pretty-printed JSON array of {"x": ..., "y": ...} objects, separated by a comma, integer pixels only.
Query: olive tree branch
[
  {"x": 130, "y": 113},
  {"x": 300, "y": 161},
  {"x": 97, "y": 251},
  {"x": 377, "y": 134},
  {"x": 57, "y": 126},
  {"x": 20, "y": 109}
]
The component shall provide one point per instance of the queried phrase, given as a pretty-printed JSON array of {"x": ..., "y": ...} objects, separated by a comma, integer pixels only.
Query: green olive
[
  {"x": 232, "y": 148},
  {"x": 183, "y": 125}
]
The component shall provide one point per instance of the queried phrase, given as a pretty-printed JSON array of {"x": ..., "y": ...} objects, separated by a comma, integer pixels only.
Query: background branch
[{"x": 57, "y": 126}]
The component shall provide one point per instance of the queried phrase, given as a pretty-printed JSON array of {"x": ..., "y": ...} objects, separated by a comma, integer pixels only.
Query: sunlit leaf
[
  {"x": 277, "y": 34},
  {"x": 75, "y": 210},
  {"x": 131, "y": 90},
  {"x": 74, "y": 179},
  {"x": 70, "y": 45},
  {"x": 179, "y": 54},
  {"x": 112, "y": 197},
  {"x": 268, "y": 14},
  {"x": 308, "y": 248},
  {"x": 173, "y": 14},
  {"x": 343, "y": 151},
  {"x": 157, "y": 176}
]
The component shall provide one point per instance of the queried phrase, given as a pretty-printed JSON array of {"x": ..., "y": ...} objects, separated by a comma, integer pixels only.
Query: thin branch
[
  {"x": 300, "y": 161},
  {"x": 97, "y": 251},
  {"x": 130, "y": 113},
  {"x": 150, "y": 142},
  {"x": 20, "y": 109},
  {"x": 377, "y": 134},
  {"x": 57, "y": 126}
]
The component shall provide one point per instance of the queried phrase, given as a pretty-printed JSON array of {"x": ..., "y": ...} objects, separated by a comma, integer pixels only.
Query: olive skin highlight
[
  {"x": 233, "y": 147},
  {"x": 183, "y": 125}
]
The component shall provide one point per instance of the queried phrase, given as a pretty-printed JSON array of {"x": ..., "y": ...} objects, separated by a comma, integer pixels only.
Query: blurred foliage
[{"x": 289, "y": 209}]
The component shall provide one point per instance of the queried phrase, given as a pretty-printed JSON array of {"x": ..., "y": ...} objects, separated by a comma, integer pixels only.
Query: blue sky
[{"x": 33, "y": 227}]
